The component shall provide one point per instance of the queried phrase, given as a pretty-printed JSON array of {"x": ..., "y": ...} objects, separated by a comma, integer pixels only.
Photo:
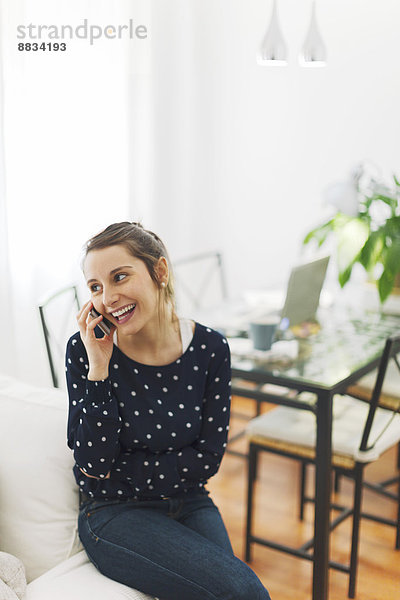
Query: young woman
[{"x": 148, "y": 424}]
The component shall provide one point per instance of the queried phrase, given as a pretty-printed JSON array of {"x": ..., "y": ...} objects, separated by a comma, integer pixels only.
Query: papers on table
[{"x": 281, "y": 350}]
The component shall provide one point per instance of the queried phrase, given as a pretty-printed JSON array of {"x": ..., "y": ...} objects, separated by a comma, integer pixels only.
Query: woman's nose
[{"x": 110, "y": 297}]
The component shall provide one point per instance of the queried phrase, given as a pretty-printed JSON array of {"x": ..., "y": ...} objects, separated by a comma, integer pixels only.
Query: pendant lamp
[
  {"x": 313, "y": 53},
  {"x": 273, "y": 50}
]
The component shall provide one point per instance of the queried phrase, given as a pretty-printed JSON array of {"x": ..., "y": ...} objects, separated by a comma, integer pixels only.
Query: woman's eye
[
  {"x": 94, "y": 287},
  {"x": 120, "y": 276}
]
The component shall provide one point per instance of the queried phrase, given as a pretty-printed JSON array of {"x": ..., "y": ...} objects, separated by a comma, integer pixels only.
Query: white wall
[
  {"x": 242, "y": 152},
  {"x": 206, "y": 147}
]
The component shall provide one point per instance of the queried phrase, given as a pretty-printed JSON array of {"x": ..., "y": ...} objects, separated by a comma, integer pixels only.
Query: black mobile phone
[{"x": 104, "y": 325}]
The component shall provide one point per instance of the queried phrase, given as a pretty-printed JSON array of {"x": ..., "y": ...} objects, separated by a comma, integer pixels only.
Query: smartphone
[{"x": 104, "y": 325}]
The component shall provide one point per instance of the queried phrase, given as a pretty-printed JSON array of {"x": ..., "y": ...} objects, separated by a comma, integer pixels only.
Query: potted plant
[{"x": 366, "y": 229}]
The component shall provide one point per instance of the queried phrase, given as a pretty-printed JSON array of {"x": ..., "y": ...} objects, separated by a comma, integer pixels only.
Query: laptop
[
  {"x": 300, "y": 304},
  {"x": 303, "y": 292}
]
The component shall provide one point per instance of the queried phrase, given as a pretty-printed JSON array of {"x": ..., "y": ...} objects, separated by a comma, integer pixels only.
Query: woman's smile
[{"x": 122, "y": 315}]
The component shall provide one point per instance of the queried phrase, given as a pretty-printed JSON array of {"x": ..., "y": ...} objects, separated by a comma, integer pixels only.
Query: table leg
[{"x": 322, "y": 496}]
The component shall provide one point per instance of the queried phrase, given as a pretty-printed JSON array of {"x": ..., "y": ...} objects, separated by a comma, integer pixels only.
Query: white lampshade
[
  {"x": 313, "y": 53},
  {"x": 273, "y": 50}
]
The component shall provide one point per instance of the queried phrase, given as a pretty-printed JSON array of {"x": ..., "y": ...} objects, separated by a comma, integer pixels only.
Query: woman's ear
[{"x": 162, "y": 270}]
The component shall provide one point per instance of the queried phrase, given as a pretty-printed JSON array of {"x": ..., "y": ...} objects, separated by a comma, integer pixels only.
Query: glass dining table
[{"x": 346, "y": 347}]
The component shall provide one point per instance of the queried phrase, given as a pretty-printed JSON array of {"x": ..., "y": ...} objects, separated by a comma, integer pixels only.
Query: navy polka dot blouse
[{"x": 158, "y": 431}]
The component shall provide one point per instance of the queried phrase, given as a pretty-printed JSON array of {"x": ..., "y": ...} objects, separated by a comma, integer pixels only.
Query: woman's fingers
[
  {"x": 85, "y": 320},
  {"x": 83, "y": 313},
  {"x": 87, "y": 474},
  {"x": 99, "y": 349},
  {"x": 93, "y": 477},
  {"x": 91, "y": 322}
]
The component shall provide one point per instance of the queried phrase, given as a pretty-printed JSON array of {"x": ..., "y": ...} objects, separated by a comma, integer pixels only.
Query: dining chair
[
  {"x": 200, "y": 287},
  {"x": 389, "y": 399},
  {"x": 361, "y": 433},
  {"x": 58, "y": 311},
  {"x": 200, "y": 282}
]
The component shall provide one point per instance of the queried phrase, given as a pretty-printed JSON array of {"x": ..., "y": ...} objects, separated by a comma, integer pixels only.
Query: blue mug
[{"x": 262, "y": 333}]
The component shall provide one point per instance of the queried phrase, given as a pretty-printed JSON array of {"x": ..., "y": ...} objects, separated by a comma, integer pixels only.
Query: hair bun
[{"x": 139, "y": 225}]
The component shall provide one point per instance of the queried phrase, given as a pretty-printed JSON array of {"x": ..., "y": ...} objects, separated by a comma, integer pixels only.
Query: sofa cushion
[
  {"x": 76, "y": 578},
  {"x": 38, "y": 493}
]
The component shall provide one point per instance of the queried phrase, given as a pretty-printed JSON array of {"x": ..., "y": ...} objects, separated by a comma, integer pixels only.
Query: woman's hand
[
  {"x": 99, "y": 350},
  {"x": 93, "y": 477}
]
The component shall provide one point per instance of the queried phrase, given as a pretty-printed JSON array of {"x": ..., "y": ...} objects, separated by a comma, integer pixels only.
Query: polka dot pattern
[{"x": 159, "y": 430}]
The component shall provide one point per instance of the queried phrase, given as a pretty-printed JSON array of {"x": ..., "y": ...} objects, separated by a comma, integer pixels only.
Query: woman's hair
[{"x": 144, "y": 245}]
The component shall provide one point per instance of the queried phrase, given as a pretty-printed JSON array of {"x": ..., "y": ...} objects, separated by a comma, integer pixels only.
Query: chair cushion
[
  {"x": 297, "y": 427},
  {"x": 390, "y": 385},
  {"x": 77, "y": 579},
  {"x": 38, "y": 493}
]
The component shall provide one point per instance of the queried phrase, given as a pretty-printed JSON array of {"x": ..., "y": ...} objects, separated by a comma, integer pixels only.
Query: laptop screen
[{"x": 303, "y": 291}]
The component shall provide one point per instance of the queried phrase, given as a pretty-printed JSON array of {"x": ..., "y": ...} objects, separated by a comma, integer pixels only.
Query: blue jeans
[{"x": 174, "y": 549}]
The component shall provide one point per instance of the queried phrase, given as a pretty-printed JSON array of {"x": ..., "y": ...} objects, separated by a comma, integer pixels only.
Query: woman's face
[{"x": 122, "y": 289}]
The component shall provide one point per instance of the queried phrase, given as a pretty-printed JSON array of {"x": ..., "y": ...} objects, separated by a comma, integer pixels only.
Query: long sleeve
[
  {"x": 94, "y": 423},
  {"x": 202, "y": 459}
]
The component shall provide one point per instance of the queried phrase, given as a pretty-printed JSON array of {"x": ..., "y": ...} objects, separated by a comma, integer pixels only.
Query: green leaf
[
  {"x": 389, "y": 200},
  {"x": 350, "y": 241},
  {"x": 320, "y": 233},
  {"x": 385, "y": 285},
  {"x": 372, "y": 250},
  {"x": 397, "y": 182},
  {"x": 340, "y": 220},
  {"x": 344, "y": 275},
  {"x": 391, "y": 268},
  {"x": 392, "y": 228},
  {"x": 392, "y": 262}
]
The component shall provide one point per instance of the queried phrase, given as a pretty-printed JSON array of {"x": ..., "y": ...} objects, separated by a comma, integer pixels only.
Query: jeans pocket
[
  {"x": 99, "y": 514},
  {"x": 95, "y": 505}
]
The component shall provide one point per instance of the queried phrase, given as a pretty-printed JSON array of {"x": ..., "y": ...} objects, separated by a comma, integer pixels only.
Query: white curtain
[
  {"x": 7, "y": 347},
  {"x": 67, "y": 154}
]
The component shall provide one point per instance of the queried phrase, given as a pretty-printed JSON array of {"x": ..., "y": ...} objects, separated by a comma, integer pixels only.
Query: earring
[{"x": 163, "y": 284}]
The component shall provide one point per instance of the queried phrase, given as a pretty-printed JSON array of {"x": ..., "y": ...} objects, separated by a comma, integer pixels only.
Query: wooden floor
[{"x": 287, "y": 577}]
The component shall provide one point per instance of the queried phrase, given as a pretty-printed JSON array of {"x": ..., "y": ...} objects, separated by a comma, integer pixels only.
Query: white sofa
[{"x": 39, "y": 498}]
